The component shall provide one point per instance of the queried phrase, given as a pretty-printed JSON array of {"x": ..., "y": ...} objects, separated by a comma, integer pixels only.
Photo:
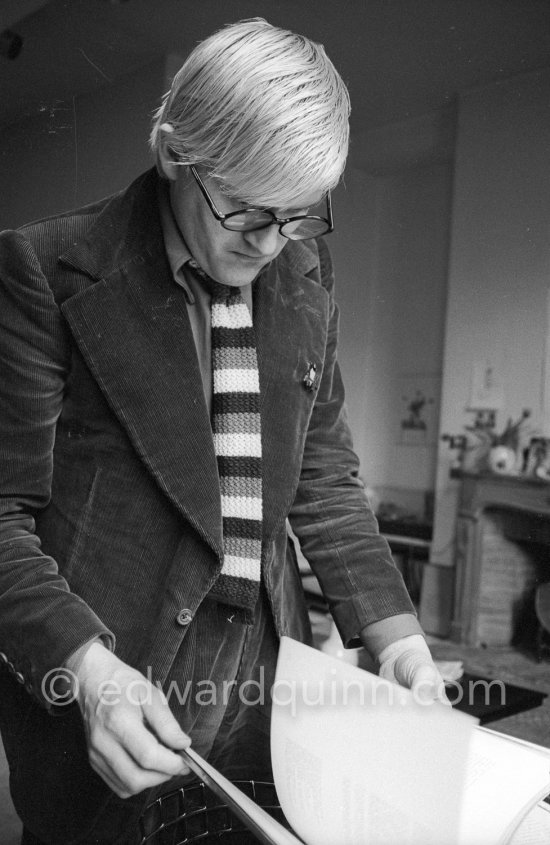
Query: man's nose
[{"x": 265, "y": 241}]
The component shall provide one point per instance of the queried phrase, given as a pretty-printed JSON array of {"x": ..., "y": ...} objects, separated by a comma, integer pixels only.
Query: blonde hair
[{"x": 262, "y": 109}]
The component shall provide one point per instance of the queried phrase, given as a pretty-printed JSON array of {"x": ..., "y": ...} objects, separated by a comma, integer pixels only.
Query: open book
[{"x": 358, "y": 761}]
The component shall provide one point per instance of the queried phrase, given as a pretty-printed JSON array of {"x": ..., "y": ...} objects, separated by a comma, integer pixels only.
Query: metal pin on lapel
[{"x": 310, "y": 379}]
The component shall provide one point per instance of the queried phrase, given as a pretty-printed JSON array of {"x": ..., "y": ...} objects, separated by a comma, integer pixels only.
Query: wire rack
[{"x": 194, "y": 814}]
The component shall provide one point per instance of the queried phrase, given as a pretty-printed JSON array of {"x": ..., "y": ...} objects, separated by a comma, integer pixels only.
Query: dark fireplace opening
[{"x": 515, "y": 564}]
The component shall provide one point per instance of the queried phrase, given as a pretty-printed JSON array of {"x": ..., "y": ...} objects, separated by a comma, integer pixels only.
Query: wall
[
  {"x": 499, "y": 269},
  {"x": 405, "y": 319},
  {"x": 404, "y": 171},
  {"x": 71, "y": 153}
]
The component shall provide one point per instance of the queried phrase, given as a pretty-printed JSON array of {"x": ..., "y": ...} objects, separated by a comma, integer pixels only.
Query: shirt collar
[{"x": 176, "y": 248}]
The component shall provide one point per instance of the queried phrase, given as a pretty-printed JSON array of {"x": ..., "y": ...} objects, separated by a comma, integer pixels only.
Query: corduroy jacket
[{"x": 110, "y": 516}]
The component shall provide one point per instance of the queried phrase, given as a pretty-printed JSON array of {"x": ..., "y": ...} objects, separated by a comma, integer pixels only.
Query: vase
[{"x": 502, "y": 460}]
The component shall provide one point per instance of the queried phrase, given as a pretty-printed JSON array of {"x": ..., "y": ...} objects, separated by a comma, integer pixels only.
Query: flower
[
  {"x": 511, "y": 433},
  {"x": 508, "y": 439}
]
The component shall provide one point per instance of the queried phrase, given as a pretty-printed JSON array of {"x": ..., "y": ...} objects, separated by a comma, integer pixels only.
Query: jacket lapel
[{"x": 133, "y": 329}]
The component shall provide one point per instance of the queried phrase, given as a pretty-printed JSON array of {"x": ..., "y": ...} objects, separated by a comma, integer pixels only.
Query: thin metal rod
[{"x": 268, "y": 830}]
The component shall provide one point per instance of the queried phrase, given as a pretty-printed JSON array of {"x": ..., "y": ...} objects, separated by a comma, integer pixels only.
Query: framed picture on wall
[
  {"x": 538, "y": 458},
  {"x": 418, "y": 409}
]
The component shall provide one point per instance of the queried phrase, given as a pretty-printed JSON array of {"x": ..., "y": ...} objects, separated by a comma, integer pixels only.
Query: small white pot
[{"x": 502, "y": 459}]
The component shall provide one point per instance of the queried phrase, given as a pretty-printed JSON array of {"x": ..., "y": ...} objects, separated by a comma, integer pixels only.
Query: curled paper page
[{"x": 359, "y": 761}]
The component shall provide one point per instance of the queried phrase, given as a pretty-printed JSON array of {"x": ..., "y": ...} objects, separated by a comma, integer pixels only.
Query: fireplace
[{"x": 502, "y": 554}]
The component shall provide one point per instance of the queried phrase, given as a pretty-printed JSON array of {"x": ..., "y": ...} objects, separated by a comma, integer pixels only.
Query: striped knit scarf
[{"x": 238, "y": 447}]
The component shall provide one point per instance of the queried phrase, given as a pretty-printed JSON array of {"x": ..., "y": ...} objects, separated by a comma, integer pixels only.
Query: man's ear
[{"x": 166, "y": 155}]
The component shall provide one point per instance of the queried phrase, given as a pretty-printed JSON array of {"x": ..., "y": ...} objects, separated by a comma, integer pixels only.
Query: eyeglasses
[{"x": 297, "y": 228}]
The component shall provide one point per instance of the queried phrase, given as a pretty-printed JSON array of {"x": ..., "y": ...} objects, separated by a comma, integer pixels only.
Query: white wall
[
  {"x": 406, "y": 318},
  {"x": 499, "y": 272},
  {"x": 391, "y": 250}
]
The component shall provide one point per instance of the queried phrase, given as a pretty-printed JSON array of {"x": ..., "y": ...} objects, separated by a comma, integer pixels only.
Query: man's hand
[
  {"x": 408, "y": 662},
  {"x": 129, "y": 726}
]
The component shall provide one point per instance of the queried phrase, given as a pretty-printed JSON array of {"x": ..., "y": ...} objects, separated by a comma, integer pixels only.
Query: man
[{"x": 170, "y": 396}]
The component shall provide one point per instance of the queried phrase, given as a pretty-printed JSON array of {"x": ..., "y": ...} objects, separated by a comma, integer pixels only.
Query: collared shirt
[{"x": 196, "y": 294}]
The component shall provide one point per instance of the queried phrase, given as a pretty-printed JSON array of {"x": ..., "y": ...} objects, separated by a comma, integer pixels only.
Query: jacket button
[{"x": 184, "y": 617}]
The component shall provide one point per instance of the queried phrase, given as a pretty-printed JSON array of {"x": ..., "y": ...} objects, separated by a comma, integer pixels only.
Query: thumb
[
  {"x": 412, "y": 667},
  {"x": 427, "y": 685},
  {"x": 163, "y": 723}
]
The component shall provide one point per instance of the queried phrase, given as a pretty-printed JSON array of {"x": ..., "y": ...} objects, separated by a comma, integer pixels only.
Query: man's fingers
[
  {"x": 133, "y": 737},
  {"x": 124, "y": 748},
  {"x": 141, "y": 743},
  {"x": 121, "y": 772},
  {"x": 160, "y": 719},
  {"x": 428, "y": 685},
  {"x": 414, "y": 668}
]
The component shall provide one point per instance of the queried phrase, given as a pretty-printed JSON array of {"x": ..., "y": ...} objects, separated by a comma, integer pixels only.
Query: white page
[
  {"x": 365, "y": 765},
  {"x": 535, "y": 828},
  {"x": 517, "y": 741},
  {"x": 504, "y": 779},
  {"x": 356, "y": 760}
]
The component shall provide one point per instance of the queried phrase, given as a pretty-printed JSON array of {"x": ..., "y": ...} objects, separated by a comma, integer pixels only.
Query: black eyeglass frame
[{"x": 278, "y": 221}]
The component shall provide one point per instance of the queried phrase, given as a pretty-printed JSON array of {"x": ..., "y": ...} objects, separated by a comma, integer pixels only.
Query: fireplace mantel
[{"x": 526, "y": 501}]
